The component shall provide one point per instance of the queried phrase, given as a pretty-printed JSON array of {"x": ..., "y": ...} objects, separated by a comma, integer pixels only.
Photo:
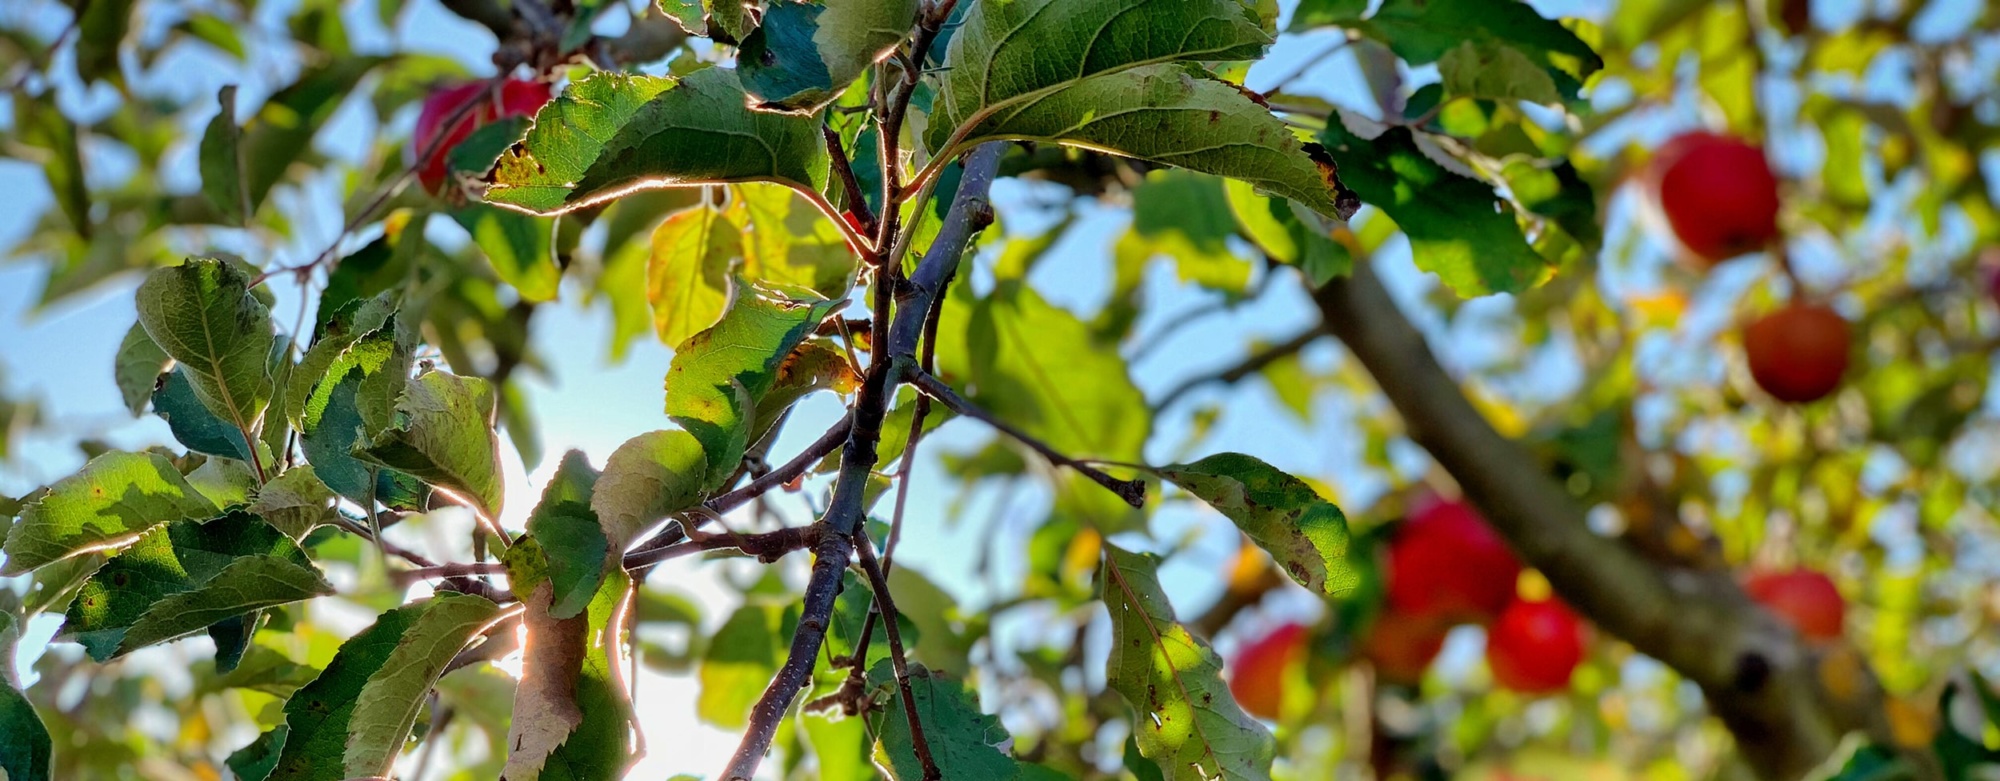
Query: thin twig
[
  {"x": 452, "y": 570},
  {"x": 353, "y": 526},
  {"x": 1132, "y": 491},
  {"x": 674, "y": 533},
  {"x": 886, "y": 606},
  {"x": 767, "y": 546},
  {"x": 857, "y": 203},
  {"x": 388, "y": 191},
  {"x": 1248, "y": 366}
]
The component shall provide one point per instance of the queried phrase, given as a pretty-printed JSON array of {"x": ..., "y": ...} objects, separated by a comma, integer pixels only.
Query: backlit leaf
[
  {"x": 646, "y": 479},
  {"x": 110, "y": 502},
  {"x": 719, "y": 375},
  {"x": 386, "y": 707},
  {"x": 610, "y": 134},
  {"x": 1186, "y": 720},
  {"x": 570, "y": 535},
  {"x": 444, "y": 436},
  {"x": 687, "y": 275},
  {"x": 139, "y": 364},
  {"x": 803, "y": 54}
]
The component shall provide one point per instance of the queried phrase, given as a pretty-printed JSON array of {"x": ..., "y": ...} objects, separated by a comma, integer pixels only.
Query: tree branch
[
  {"x": 1132, "y": 491},
  {"x": 878, "y": 579},
  {"x": 968, "y": 214},
  {"x": 791, "y": 470},
  {"x": 1758, "y": 675},
  {"x": 1251, "y": 365}
]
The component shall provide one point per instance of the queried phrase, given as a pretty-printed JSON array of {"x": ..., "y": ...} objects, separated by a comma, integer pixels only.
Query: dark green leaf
[
  {"x": 1305, "y": 534},
  {"x": 317, "y": 716},
  {"x": 610, "y": 134},
  {"x": 570, "y": 535},
  {"x": 804, "y": 54},
  {"x": 100, "y": 30},
  {"x": 223, "y": 174},
  {"x": 1007, "y": 54},
  {"x": 247, "y": 584},
  {"x": 386, "y": 707},
  {"x": 295, "y": 502},
  {"x": 1495, "y": 71},
  {"x": 1424, "y": 31},
  {"x": 110, "y": 502},
  {"x": 965, "y": 742},
  {"x": 173, "y": 559},
  {"x": 282, "y": 131},
  {"x": 1319, "y": 13},
  {"x": 192, "y": 424},
  {"x": 255, "y": 761},
  {"x": 1458, "y": 228},
  {"x": 24, "y": 754},
  {"x": 39, "y": 123}
]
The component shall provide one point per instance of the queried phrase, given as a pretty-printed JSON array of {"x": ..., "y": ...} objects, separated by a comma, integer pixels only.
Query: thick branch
[
  {"x": 1132, "y": 491},
  {"x": 1758, "y": 675}
]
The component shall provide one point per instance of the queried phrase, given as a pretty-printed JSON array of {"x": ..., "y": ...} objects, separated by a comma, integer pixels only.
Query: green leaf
[
  {"x": 344, "y": 393},
  {"x": 139, "y": 364},
  {"x": 203, "y": 315},
  {"x": 191, "y": 423},
  {"x": 965, "y": 742},
  {"x": 1040, "y": 368},
  {"x": 1175, "y": 114},
  {"x": 100, "y": 29},
  {"x": 1424, "y": 31},
  {"x": 545, "y": 706},
  {"x": 247, "y": 584},
  {"x": 850, "y": 612},
  {"x": 295, "y": 502},
  {"x": 1319, "y": 13},
  {"x": 741, "y": 658},
  {"x": 444, "y": 436},
  {"x": 687, "y": 275},
  {"x": 610, "y": 134},
  {"x": 1458, "y": 228},
  {"x": 110, "y": 502},
  {"x": 570, "y": 535},
  {"x": 804, "y": 54},
  {"x": 841, "y": 747},
  {"x": 1185, "y": 216},
  {"x": 40, "y": 123},
  {"x": 1007, "y": 55},
  {"x": 1495, "y": 71},
  {"x": 24, "y": 755},
  {"x": 1305, "y": 534},
  {"x": 1186, "y": 721},
  {"x": 223, "y": 175},
  {"x": 360, "y": 336},
  {"x": 173, "y": 559},
  {"x": 518, "y": 245},
  {"x": 1559, "y": 193},
  {"x": 1281, "y": 230},
  {"x": 232, "y": 638},
  {"x": 255, "y": 761},
  {"x": 792, "y": 246},
  {"x": 317, "y": 716},
  {"x": 282, "y": 131},
  {"x": 651, "y": 476},
  {"x": 719, "y": 375},
  {"x": 386, "y": 707}
]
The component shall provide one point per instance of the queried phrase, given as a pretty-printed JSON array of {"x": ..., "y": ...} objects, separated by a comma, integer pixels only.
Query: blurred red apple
[
  {"x": 1798, "y": 353},
  {"x": 1718, "y": 194},
  {"x": 1534, "y": 647},
  {"x": 518, "y": 97},
  {"x": 1806, "y": 599},
  {"x": 1257, "y": 676},
  {"x": 1446, "y": 562}
]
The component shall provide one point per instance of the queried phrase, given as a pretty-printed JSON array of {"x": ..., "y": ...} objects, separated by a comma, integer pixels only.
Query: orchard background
[{"x": 1508, "y": 474}]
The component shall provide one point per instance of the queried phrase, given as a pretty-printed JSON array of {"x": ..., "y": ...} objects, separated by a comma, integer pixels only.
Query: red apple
[
  {"x": 1798, "y": 353},
  {"x": 1447, "y": 562},
  {"x": 1534, "y": 647},
  {"x": 1804, "y": 598},
  {"x": 1402, "y": 645},
  {"x": 1718, "y": 194},
  {"x": 518, "y": 97},
  {"x": 1257, "y": 676}
]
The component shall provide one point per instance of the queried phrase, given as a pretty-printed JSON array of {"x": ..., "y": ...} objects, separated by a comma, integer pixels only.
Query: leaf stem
[{"x": 1132, "y": 491}]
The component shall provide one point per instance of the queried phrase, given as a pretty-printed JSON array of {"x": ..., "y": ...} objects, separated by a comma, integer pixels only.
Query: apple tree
[{"x": 1650, "y": 339}]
